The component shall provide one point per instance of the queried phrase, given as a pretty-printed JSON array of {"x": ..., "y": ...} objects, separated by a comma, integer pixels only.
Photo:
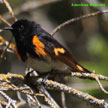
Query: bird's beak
[{"x": 8, "y": 28}]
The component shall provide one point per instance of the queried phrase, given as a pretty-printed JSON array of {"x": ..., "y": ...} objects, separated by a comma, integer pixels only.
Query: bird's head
[{"x": 22, "y": 28}]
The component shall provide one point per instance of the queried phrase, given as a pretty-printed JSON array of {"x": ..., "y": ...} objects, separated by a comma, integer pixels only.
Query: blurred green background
[{"x": 87, "y": 40}]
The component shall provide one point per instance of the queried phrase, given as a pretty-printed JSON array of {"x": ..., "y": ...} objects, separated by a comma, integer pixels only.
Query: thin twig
[
  {"x": 63, "y": 100},
  {"x": 10, "y": 10},
  {"x": 21, "y": 103},
  {"x": 48, "y": 98},
  {"x": 4, "y": 51},
  {"x": 88, "y": 98},
  {"x": 4, "y": 21},
  {"x": 29, "y": 5},
  {"x": 33, "y": 98},
  {"x": 13, "y": 16},
  {"x": 76, "y": 19},
  {"x": 55, "y": 85},
  {"x": 3, "y": 103},
  {"x": 91, "y": 76},
  {"x": 10, "y": 101},
  {"x": 4, "y": 43},
  {"x": 100, "y": 85}
]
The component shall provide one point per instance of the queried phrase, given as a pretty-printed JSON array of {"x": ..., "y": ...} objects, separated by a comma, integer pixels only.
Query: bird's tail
[{"x": 80, "y": 68}]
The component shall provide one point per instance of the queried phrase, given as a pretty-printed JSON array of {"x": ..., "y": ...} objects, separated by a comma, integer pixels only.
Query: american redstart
[{"x": 40, "y": 51}]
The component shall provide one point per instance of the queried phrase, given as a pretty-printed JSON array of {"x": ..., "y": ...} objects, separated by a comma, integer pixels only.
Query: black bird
[{"x": 40, "y": 51}]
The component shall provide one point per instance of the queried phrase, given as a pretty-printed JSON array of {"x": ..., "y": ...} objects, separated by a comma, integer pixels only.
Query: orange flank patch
[
  {"x": 39, "y": 46},
  {"x": 59, "y": 50},
  {"x": 12, "y": 46},
  {"x": 18, "y": 55},
  {"x": 80, "y": 68}
]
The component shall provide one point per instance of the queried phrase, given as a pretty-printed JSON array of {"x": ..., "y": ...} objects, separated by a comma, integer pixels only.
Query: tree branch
[{"x": 76, "y": 19}]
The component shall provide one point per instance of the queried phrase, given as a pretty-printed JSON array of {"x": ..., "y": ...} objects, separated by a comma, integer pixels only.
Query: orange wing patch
[
  {"x": 59, "y": 50},
  {"x": 39, "y": 46},
  {"x": 80, "y": 68}
]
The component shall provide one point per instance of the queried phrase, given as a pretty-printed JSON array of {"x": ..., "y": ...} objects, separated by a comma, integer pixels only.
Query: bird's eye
[{"x": 21, "y": 27}]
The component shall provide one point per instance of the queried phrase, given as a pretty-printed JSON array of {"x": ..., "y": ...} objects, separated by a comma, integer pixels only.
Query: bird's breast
[{"x": 45, "y": 65}]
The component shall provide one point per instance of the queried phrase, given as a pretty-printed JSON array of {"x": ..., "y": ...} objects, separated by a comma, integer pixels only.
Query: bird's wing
[{"x": 53, "y": 48}]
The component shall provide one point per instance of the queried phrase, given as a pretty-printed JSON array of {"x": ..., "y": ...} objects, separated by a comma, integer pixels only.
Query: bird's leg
[
  {"x": 31, "y": 71},
  {"x": 47, "y": 76}
]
